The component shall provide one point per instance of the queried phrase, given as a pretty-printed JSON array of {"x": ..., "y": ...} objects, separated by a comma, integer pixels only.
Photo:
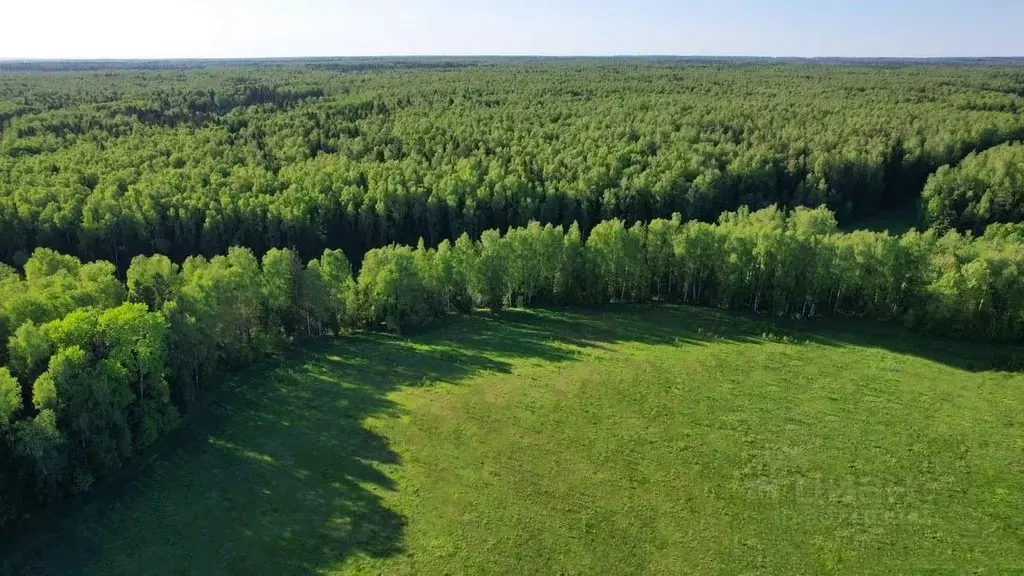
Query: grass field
[
  {"x": 894, "y": 221},
  {"x": 655, "y": 440}
]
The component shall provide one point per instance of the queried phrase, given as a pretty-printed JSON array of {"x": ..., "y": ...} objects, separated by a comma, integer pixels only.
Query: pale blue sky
[{"x": 261, "y": 28}]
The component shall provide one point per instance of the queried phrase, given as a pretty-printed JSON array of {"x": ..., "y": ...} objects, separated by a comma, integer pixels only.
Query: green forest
[
  {"x": 162, "y": 227},
  {"x": 113, "y": 164},
  {"x": 984, "y": 188}
]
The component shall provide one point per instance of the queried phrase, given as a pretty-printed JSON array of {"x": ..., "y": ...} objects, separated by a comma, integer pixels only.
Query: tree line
[
  {"x": 112, "y": 165},
  {"x": 94, "y": 370}
]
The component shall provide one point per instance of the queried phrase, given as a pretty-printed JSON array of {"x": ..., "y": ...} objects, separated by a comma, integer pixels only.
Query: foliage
[
  {"x": 164, "y": 227},
  {"x": 10, "y": 399},
  {"x": 310, "y": 155},
  {"x": 101, "y": 379},
  {"x": 985, "y": 187}
]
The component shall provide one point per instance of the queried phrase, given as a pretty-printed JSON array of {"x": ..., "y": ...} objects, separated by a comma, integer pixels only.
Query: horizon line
[{"x": 508, "y": 56}]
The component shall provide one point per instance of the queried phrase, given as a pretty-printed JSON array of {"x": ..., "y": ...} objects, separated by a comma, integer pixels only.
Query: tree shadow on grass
[
  {"x": 277, "y": 474},
  {"x": 560, "y": 334},
  {"x": 543, "y": 334},
  {"x": 960, "y": 354}
]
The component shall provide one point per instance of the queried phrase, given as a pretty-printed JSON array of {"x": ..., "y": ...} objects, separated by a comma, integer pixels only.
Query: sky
[{"x": 288, "y": 28}]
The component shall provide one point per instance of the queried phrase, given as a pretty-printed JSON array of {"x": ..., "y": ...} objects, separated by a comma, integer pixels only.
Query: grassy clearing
[
  {"x": 650, "y": 440},
  {"x": 895, "y": 221}
]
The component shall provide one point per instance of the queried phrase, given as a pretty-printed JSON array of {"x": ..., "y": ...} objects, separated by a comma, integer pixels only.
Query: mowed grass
[{"x": 637, "y": 440}]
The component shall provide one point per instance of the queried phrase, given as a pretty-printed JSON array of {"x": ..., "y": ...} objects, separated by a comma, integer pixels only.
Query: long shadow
[
  {"x": 277, "y": 473},
  {"x": 533, "y": 333},
  {"x": 960, "y": 354}
]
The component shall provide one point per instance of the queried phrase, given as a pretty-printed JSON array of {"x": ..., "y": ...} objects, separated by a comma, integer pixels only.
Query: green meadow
[{"x": 634, "y": 440}]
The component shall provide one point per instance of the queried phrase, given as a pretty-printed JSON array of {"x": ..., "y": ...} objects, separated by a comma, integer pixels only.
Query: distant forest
[{"x": 108, "y": 160}]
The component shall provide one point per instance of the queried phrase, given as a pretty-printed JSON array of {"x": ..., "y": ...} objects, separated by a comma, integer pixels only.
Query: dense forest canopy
[
  {"x": 162, "y": 224},
  {"x": 354, "y": 154},
  {"x": 985, "y": 187}
]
